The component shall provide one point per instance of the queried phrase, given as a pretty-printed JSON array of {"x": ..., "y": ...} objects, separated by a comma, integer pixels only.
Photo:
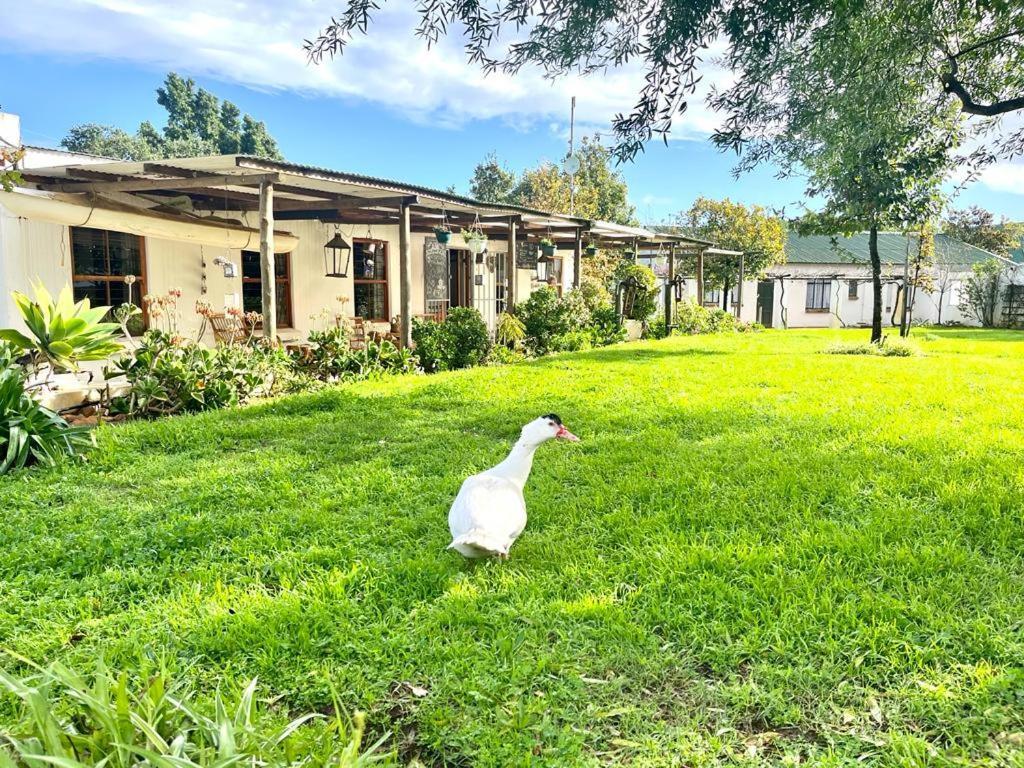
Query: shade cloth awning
[{"x": 77, "y": 211}]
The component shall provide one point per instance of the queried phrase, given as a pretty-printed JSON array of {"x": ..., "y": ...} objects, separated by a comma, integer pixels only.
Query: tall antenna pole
[{"x": 572, "y": 176}]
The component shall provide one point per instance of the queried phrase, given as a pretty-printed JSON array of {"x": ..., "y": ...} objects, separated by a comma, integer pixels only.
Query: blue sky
[{"x": 388, "y": 108}]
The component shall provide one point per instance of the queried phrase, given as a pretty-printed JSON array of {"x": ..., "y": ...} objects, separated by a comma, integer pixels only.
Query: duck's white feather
[{"x": 487, "y": 516}]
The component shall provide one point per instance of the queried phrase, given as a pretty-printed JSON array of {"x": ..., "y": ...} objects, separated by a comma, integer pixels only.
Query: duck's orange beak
[{"x": 565, "y": 434}]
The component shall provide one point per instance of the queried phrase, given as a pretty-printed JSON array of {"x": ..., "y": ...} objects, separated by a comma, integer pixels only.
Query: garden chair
[{"x": 227, "y": 330}]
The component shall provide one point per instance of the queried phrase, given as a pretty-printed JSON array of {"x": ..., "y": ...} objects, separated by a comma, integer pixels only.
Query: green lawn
[{"x": 758, "y": 553}]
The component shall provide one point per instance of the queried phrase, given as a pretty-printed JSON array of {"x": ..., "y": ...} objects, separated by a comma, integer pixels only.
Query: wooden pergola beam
[{"x": 174, "y": 185}]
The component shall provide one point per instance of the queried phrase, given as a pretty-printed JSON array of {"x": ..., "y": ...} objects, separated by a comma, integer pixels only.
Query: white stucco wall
[
  {"x": 845, "y": 311},
  {"x": 32, "y": 249}
]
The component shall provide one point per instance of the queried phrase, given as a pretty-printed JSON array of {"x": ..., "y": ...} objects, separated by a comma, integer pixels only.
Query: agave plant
[
  {"x": 63, "y": 332},
  {"x": 30, "y": 433}
]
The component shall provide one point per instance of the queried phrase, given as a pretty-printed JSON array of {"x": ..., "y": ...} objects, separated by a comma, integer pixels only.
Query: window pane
[
  {"x": 251, "y": 264},
  {"x": 370, "y": 301},
  {"x": 284, "y": 309},
  {"x": 93, "y": 290},
  {"x": 370, "y": 260},
  {"x": 252, "y": 297},
  {"x": 88, "y": 251},
  {"x": 125, "y": 254}
]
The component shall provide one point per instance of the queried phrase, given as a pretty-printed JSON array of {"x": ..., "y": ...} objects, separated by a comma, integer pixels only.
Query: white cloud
[
  {"x": 258, "y": 43},
  {"x": 1005, "y": 177}
]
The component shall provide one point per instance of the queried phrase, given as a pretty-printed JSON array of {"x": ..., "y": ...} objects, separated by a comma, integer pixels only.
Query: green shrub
[
  {"x": 573, "y": 341},
  {"x": 605, "y": 327},
  {"x": 461, "y": 340},
  {"x": 692, "y": 318},
  {"x": 470, "y": 338},
  {"x": 546, "y": 316},
  {"x": 30, "y": 433},
  {"x": 169, "y": 374},
  {"x": 502, "y": 355},
  {"x": 63, "y": 332},
  {"x": 66, "y": 719},
  {"x": 509, "y": 330},
  {"x": 893, "y": 348}
]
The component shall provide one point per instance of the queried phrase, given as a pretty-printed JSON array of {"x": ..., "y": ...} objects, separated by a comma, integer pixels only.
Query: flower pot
[
  {"x": 547, "y": 249},
  {"x": 443, "y": 237},
  {"x": 476, "y": 246},
  {"x": 590, "y": 250}
]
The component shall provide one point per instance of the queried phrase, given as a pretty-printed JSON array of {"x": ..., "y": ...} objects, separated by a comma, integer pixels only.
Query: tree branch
[{"x": 950, "y": 84}]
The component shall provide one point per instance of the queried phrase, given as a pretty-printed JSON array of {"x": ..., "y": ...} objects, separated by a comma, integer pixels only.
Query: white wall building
[{"x": 826, "y": 282}]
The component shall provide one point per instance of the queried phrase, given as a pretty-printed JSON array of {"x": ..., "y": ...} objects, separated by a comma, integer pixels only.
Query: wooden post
[
  {"x": 510, "y": 266},
  {"x": 577, "y": 259},
  {"x": 405, "y": 274},
  {"x": 268, "y": 275},
  {"x": 739, "y": 292},
  {"x": 669, "y": 288},
  {"x": 700, "y": 277}
]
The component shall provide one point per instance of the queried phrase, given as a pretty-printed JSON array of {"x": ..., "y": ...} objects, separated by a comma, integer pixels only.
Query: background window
[
  {"x": 370, "y": 270},
  {"x": 252, "y": 286},
  {"x": 818, "y": 295},
  {"x": 100, "y": 262},
  {"x": 852, "y": 294}
]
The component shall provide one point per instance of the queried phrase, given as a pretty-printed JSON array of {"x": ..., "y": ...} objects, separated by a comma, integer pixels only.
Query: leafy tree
[
  {"x": 492, "y": 182},
  {"x": 198, "y": 123},
  {"x": 966, "y": 53},
  {"x": 981, "y": 291},
  {"x": 871, "y": 152},
  {"x": 600, "y": 191},
  {"x": 978, "y": 227},
  {"x": 105, "y": 140},
  {"x": 735, "y": 227}
]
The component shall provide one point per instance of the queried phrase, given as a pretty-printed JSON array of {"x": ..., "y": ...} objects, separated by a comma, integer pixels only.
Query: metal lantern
[
  {"x": 337, "y": 256},
  {"x": 542, "y": 267}
]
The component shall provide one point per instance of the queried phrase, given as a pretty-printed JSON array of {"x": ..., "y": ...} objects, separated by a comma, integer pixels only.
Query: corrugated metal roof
[{"x": 892, "y": 248}]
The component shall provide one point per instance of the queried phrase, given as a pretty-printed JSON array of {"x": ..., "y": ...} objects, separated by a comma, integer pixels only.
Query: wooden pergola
[{"x": 216, "y": 190}]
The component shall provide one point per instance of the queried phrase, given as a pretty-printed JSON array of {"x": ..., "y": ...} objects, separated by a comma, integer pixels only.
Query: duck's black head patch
[{"x": 553, "y": 417}]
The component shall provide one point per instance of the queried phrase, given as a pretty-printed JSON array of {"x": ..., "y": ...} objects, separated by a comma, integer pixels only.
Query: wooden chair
[
  {"x": 227, "y": 329},
  {"x": 357, "y": 339}
]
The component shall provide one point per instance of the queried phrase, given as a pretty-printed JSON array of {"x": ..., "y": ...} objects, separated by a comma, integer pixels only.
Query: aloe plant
[{"x": 63, "y": 332}]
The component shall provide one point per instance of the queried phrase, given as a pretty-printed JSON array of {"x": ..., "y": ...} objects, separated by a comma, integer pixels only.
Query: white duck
[{"x": 490, "y": 512}]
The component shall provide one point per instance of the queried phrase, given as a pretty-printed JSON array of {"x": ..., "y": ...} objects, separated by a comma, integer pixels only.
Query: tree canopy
[
  {"x": 735, "y": 227},
  {"x": 979, "y": 227},
  {"x": 601, "y": 192},
  {"x": 198, "y": 123},
  {"x": 967, "y": 53}
]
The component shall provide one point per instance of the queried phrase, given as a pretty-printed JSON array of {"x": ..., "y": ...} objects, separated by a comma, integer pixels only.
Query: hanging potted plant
[
  {"x": 591, "y": 249},
  {"x": 475, "y": 239},
  {"x": 629, "y": 253},
  {"x": 547, "y": 247},
  {"x": 442, "y": 233}
]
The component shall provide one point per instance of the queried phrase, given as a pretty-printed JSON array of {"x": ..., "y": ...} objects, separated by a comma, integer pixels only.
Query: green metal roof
[{"x": 892, "y": 247}]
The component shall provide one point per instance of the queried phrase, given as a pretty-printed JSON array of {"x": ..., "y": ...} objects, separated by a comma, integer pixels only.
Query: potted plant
[
  {"x": 630, "y": 254},
  {"x": 475, "y": 239},
  {"x": 442, "y": 233},
  {"x": 547, "y": 247},
  {"x": 590, "y": 250}
]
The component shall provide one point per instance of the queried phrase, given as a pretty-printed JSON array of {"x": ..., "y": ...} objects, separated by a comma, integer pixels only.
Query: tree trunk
[
  {"x": 725, "y": 295},
  {"x": 876, "y": 285}
]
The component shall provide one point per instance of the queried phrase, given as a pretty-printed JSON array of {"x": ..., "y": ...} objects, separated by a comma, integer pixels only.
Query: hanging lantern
[
  {"x": 337, "y": 256},
  {"x": 543, "y": 262}
]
